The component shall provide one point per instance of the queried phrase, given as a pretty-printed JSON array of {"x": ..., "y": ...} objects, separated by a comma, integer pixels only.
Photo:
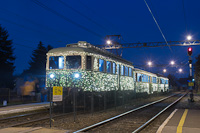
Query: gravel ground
[{"x": 83, "y": 120}]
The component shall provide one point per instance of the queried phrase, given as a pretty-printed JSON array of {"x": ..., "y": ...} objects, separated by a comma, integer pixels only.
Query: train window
[
  {"x": 139, "y": 77},
  {"x": 118, "y": 68},
  {"x": 154, "y": 80},
  {"x": 149, "y": 79},
  {"x": 126, "y": 71},
  {"x": 162, "y": 81},
  {"x": 130, "y": 72},
  {"x": 56, "y": 62},
  {"x": 114, "y": 68},
  {"x": 122, "y": 70},
  {"x": 73, "y": 62},
  {"x": 101, "y": 65},
  {"x": 88, "y": 62},
  {"x": 108, "y": 67}
]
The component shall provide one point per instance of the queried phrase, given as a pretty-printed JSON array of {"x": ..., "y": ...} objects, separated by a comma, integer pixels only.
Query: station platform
[
  {"x": 23, "y": 108},
  {"x": 181, "y": 121},
  {"x": 31, "y": 130}
]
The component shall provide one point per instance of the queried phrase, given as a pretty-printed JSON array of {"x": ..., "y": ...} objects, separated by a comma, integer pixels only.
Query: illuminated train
[{"x": 82, "y": 65}]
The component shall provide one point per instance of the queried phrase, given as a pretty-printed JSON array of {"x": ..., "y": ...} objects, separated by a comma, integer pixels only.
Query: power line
[
  {"x": 35, "y": 23},
  {"x": 184, "y": 16},
  {"x": 64, "y": 17},
  {"x": 157, "y": 24},
  {"x": 88, "y": 18},
  {"x": 25, "y": 27},
  {"x": 94, "y": 12}
]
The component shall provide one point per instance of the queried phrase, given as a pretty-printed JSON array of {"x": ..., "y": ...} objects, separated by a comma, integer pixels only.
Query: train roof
[
  {"x": 83, "y": 46},
  {"x": 146, "y": 72}
]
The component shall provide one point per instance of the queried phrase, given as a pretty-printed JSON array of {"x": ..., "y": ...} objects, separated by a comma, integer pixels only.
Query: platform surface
[
  {"x": 23, "y": 108},
  {"x": 31, "y": 130},
  {"x": 181, "y": 121}
]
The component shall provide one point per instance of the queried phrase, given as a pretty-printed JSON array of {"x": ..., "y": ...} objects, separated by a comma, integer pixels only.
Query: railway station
[{"x": 102, "y": 66}]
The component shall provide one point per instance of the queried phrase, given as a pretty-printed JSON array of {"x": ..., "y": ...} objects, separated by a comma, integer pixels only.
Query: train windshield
[
  {"x": 56, "y": 62},
  {"x": 73, "y": 62}
]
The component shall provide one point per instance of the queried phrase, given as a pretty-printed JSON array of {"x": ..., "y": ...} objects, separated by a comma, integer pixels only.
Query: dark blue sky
[{"x": 29, "y": 23}]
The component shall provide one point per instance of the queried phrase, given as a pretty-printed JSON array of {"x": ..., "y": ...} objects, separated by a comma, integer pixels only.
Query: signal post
[{"x": 191, "y": 83}]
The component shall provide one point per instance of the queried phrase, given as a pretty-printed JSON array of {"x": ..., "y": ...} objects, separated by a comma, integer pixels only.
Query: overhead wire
[
  {"x": 66, "y": 18},
  {"x": 86, "y": 17},
  {"x": 185, "y": 20},
  {"x": 35, "y": 23},
  {"x": 157, "y": 25},
  {"x": 97, "y": 14},
  {"x": 25, "y": 27}
]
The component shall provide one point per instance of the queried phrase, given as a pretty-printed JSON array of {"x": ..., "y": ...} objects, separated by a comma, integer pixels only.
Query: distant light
[
  {"x": 180, "y": 70},
  {"x": 150, "y": 63},
  {"x": 189, "y": 37},
  {"x": 109, "y": 42},
  {"x": 193, "y": 80},
  {"x": 76, "y": 75},
  {"x": 189, "y": 49},
  {"x": 172, "y": 62},
  {"x": 52, "y": 75},
  {"x": 164, "y": 70}
]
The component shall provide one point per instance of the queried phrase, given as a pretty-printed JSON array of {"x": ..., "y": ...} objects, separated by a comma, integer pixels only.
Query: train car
[
  {"x": 89, "y": 68},
  {"x": 163, "y": 83}
]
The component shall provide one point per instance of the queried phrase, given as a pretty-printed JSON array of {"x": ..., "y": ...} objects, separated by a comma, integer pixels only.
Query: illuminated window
[
  {"x": 154, "y": 80},
  {"x": 118, "y": 68},
  {"x": 108, "y": 67},
  {"x": 73, "y": 62},
  {"x": 144, "y": 78},
  {"x": 130, "y": 72},
  {"x": 139, "y": 77},
  {"x": 126, "y": 71},
  {"x": 114, "y": 68},
  {"x": 101, "y": 65},
  {"x": 56, "y": 62},
  {"x": 122, "y": 70}
]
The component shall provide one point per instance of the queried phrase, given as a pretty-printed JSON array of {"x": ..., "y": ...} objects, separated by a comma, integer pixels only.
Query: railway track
[
  {"x": 28, "y": 119},
  {"x": 134, "y": 120}
]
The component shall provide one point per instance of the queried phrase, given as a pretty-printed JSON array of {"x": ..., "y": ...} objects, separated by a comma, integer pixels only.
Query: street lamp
[
  {"x": 109, "y": 42},
  {"x": 149, "y": 63},
  {"x": 180, "y": 70},
  {"x": 164, "y": 70},
  {"x": 172, "y": 62},
  {"x": 189, "y": 37}
]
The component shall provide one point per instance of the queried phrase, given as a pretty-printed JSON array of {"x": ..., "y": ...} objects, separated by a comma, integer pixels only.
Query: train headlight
[
  {"x": 52, "y": 75},
  {"x": 76, "y": 75}
]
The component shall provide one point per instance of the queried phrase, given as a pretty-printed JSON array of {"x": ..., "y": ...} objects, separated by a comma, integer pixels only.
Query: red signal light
[{"x": 189, "y": 51}]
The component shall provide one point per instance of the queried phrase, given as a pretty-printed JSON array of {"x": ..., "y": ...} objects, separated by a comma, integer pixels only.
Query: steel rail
[
  {"x": 123, "y": 114},
  {"x": 36, "y": 120},
  {"x": 153, "y": 118},
  {"x": 22, "y": 115}
]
